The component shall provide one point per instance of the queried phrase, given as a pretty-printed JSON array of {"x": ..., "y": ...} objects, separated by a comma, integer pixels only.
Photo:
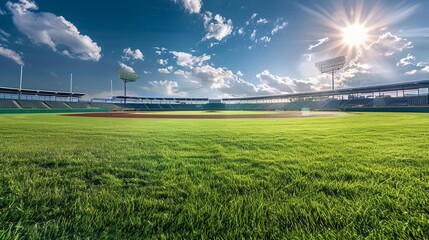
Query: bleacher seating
[
  {"x": 7, "y": 104},
  {"x": 56, "y": 105},
  {"x": 332, "y": 104},
  {"x": 418, "y": 101},
  {"x": 78, "y": 105},
  {"x": 31, "y": 104},
  {"x": 214, "y": 106},
  {"x": 328, "y": 104},
  {"x": 361, "y": 102},
  {"x": 166, "y": 107},
  {"x": 187, "y": 107},
  {"x": 109, "y": 106}
]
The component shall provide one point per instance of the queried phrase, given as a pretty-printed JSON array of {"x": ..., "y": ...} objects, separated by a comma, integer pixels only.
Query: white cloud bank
[
  {"x": 406, "y": 61},
  {"x": 126, "y": 67},
  {"x": 166, "y": 87},
  {"x": 192, "y": 6},
  {"x": 188, "y": 60},
  {"x": 388, "y": 44},
  {"x": 198, "y": 74},
  {"x": 54, "y": 31},
  {"x": 166, "y": 70},
  {"x": 14, "y": 56},
  {"x": 217, "y": 27},
  {"x": 130, "y": 54},
  {"x": 4, "y": 36},
  {"x": 278, "y": 26}
]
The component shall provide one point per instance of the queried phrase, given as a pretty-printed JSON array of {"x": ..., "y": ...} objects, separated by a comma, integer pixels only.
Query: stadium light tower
[
  {"x": 20, "y": 82},
  {"x": 127, "y": 77},
  {"x": 330, "y": 66}
]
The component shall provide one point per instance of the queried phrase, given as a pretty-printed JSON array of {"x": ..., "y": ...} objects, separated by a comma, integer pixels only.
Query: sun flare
[{"x": 355, "y": 35}]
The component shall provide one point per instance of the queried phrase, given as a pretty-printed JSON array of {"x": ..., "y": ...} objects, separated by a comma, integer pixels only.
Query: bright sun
[{"x": 355, "y": 35}]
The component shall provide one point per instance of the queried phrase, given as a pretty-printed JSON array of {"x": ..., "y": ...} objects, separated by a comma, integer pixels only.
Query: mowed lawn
[
  {"x": 213, "y": 112},
  {"x": 350, "y": 177}
]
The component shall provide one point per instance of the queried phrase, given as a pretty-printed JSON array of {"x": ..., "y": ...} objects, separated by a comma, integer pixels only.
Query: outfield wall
[
  {"x": 388, "y": 109},
  {"x": 18, "y": 111}
]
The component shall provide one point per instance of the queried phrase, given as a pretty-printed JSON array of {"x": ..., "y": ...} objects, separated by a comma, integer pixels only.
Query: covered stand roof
[
  {"x": 44, "y": 93},
  {"x": 368, "y": 89},
  {"x": 346, "y": 91},
  {"x": 161, "y": 99}
]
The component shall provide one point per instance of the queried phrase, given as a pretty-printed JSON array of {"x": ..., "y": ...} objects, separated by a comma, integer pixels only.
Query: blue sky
[{"x": 201, "y": 48}]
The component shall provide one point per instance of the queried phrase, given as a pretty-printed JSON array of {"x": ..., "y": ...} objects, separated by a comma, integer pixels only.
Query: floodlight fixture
[
  {"x": 127, "y": 77},
  {"x": 331, "y": 66}
]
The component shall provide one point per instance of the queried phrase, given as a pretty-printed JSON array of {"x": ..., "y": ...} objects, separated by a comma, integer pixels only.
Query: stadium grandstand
[{"x": 408, "y": 96}]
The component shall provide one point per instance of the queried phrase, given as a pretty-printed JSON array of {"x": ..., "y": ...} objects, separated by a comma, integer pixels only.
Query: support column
[{"x": 125, "y": 92}]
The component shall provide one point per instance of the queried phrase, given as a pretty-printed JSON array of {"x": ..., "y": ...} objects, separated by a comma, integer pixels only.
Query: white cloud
[
  {"x": 425, "y": 69},
  {"x": 2, "y": 12},
  {"x": 169, "y": 88},
  {"x": 389, "y": 44},
  {"x": 201, "y": 75},
  {"x": 126, "y": 67},
  {"x": 163, "y": 49},
  {"x": 14, "y": 56},
  {"x": 182, "y": 73},
  {"x": 132, "y": 54},
  {"x": 265, "y": 39},
  {"x": 251, "y": 18},
  {"x": 158, "y": 51},
  {"x": 319, "y": 42},
  {"x": 188, "y": 60},
  {"x": 308, "y": 56},
  {"x": 222, "y": 80},
  {"x": 406, "y": 60},
  {"x": 280, "y": 25},
  {"x": 422, "y": 64},
  {"x": 166, "y": 70},
  {"x": 273, "y": 84},
  {"x": 354, "y": 69},
  {"x": 412, "y": 72},
  {"x": 212, "y": 44},
  {"x": 4, "y": 35},
  {"x": 262, "y": 21},
  {"x": 253, "y": 36},
  {"x": 192, "y": 6},
  {"x": 422, "y": 67},
  {"x": 241, "y": 31},
  {"x": 162, "y": 61},
  {"x": 3, "y": 39},
  {"x": 217, "y": 27},
  {"x": 54, "y": 31}
]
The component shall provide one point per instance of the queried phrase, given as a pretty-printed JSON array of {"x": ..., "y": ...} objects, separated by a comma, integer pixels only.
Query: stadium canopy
[
  {"x": 159, "y": 99},
  {"x": 42, "y": 93},
  {"x": 413, "y": 85},
  {"x": 346, "y": 91}
]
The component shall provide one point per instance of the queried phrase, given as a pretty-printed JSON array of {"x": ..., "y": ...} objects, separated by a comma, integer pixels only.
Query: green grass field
[
  {"x": 355, "y": 177},
  {"x": 212, "y": 112}
]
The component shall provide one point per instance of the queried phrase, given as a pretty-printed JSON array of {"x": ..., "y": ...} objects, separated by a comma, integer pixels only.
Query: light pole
[
  {"x": 127, "y": 77},
  {"x": 331, "y": 66}
]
